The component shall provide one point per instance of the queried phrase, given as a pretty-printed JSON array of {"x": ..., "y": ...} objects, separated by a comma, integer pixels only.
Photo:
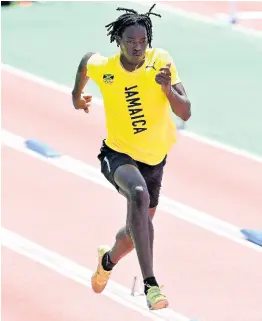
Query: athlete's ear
[{"x": 118, "y": 39}]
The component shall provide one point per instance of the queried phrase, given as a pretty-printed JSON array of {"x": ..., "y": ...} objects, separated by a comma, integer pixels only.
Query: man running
[{"x": 138, "y": 84}]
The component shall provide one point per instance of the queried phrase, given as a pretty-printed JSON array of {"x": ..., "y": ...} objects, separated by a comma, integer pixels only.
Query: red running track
[
  {"x": 204, "y": 275},
  {"x": 212, "y": 8}
]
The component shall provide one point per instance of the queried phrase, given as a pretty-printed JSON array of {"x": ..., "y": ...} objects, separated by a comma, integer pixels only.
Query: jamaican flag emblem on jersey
[{"x": 108, "y": 78}]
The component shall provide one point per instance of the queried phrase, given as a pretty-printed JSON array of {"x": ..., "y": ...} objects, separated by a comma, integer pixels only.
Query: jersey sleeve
[
  {"x": 175, "y": 79},
  {"x": 95, "y": 67}
]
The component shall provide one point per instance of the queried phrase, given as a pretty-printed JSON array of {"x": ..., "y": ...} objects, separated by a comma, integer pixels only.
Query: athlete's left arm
[
  {"x": 175, "y": 93},
  {"x": 179, "y": 101}
]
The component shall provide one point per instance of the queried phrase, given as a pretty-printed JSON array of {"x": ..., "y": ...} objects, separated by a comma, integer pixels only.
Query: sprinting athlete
[{"x": 138, "y": 84}]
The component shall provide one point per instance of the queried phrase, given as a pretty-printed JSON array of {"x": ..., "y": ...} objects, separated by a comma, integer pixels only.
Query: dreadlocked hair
[{"x": 131, "y": 17}]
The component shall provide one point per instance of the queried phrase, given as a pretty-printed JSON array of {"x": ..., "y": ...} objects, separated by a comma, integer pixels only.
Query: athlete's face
[{"x": 133, "y": 43}]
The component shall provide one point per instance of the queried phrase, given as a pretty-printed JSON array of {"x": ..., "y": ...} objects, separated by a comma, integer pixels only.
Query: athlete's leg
[
  {"x": 127, "y": 178},
  {"x": 110, "y": 161},
  {"x": 132, "y": 184},
  {"x": 123, "y": 243},
  {"x": 153, "y": 176}
]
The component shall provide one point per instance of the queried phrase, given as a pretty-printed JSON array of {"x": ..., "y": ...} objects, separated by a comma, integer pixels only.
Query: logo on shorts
[{"x": 108, "y": 78}]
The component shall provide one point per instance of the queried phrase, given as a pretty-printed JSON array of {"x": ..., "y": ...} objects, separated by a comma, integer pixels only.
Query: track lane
[
  {"x": 32, "y": 292},
  {"x": 194, "y": 265},
  {"x": 213, "y": 8}
]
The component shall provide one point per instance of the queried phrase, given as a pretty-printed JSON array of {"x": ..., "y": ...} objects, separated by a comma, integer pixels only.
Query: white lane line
[
  {"x": 167, "y": 205},
  {"x": 66, "y": 90},
  {"x": 82, "y": 275}
]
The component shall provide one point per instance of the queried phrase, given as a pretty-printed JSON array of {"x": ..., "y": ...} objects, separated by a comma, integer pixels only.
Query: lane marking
[
  {"x": 166, "y": 205},
  {"x": 242, "y": 15},
  {"x": 67, "y": 90},
  {"x": 82, "y": 275},
  {"x": 204, "y": 19}
]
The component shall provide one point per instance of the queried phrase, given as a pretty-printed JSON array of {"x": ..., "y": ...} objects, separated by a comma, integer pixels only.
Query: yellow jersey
[{"x": 137, "y": 112}]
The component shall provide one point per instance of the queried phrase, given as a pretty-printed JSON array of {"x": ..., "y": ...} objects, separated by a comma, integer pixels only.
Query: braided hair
[{"x": 131, "y": 17}]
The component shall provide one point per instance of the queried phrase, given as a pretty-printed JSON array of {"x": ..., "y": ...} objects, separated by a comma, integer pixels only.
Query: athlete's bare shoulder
[{"x": 84, "y": 60}]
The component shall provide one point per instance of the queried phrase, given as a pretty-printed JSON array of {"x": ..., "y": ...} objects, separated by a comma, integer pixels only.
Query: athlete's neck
[{"x": 127, "y": 65}]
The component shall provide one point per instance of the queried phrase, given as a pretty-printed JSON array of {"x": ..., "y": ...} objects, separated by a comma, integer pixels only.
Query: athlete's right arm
[{"x": 81, "y": 101}]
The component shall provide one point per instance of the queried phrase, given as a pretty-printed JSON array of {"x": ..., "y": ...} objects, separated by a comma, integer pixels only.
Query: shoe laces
[{"x": 155, "y": 290}]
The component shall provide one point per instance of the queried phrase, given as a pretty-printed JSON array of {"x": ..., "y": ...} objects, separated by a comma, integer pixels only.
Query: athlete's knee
[{"x": 140, "y": 196}]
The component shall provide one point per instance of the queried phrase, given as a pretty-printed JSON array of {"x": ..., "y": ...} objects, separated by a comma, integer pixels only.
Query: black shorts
[{"x": 111, "y": 160}]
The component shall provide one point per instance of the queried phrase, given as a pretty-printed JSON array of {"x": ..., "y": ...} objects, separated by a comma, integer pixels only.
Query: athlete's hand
[
  {"x": 163, "y": 78},
  {"x": 83, "y": 102}
]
